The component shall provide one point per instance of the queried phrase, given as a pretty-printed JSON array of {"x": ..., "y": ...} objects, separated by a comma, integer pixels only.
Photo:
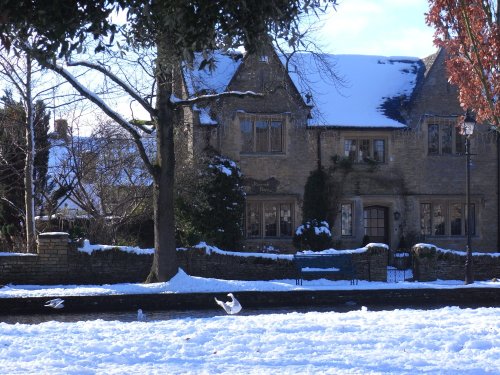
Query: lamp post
[{"x": 467, "y": 130}]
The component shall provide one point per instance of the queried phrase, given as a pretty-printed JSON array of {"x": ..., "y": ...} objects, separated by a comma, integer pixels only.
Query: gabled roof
[
  {"x": 204, "y": 81},
  {"x": 373, "y": 91}
]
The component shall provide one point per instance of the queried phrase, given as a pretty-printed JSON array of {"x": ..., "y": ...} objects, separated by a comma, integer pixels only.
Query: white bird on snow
[
  {"x": 231, "y": 307},
  {"x": 56, "y": 303},
  {"x": 140, "y": 315}
]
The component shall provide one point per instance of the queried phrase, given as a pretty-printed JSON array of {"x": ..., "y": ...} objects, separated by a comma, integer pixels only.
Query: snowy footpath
[{"x": 449, "y": 340}]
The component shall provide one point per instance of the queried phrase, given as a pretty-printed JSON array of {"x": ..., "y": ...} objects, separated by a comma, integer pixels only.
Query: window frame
[
  {"x": 428, "y": 225},
  {"x": 256, "y": 137},
  {"x": 361, "y": 142},
  {"x": 350, "y": 219},
  {"x": 456, "y": 144},
  {"x": 262, "y": 204}
]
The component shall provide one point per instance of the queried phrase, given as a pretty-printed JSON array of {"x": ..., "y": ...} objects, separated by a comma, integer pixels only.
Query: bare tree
[{"x": 102, "y": 181}]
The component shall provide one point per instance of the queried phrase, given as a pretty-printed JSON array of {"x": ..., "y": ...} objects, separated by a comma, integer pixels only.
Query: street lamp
[{"x": 467, "y": 130}]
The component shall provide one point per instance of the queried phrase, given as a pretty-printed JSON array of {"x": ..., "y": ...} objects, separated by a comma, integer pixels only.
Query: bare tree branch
[
  {"x": 127, "y": 88},
  {"x": 108, "y": 111},
  {"x": 212, "y": 97}
]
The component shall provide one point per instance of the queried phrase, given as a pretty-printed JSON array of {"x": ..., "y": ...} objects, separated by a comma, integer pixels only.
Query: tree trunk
[
  {"x": 28, "y": 167},
  {"x": 165, "y": 257}
]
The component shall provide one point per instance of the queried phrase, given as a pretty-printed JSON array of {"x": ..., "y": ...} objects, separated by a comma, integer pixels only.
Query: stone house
[{"x": 385, "y": 130}]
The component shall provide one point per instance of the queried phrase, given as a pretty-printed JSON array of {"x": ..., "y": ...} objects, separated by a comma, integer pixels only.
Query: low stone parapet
[
  {"x": 432, "y": 263},
  {"x": 371, "y": 264},
  {"x": 58, "y": 261}
]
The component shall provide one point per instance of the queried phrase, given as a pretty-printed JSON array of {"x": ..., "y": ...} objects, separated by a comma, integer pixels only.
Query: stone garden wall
[
  {"x": 370, "y": 264},
  {"x": 58, "y": 261},
  {"x": 431, "y": 263}
]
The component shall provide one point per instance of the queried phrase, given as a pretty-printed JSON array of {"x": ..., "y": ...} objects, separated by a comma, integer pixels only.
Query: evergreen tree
[
  {"x": 213, "y": 210},
  {"x": 12, "y": 148},
  {"x": 223, "y": 221},
  {"x": 316, "y": 202},
  {"x": 42, "y": 148},
  {"x": 314, "y": 233},
  {"x": 12, "y": 118}
]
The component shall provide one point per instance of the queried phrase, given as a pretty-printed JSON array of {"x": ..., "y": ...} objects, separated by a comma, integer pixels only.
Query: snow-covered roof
[
  {"x": 62, "y": 165},
  {"x": 371, "y": 93},
  {"x": 203, "y": 81},
  {"x": 204, "y": 115}
]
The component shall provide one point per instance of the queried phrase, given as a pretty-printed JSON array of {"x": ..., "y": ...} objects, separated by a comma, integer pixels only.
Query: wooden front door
[{"x": 375, "y": 222}]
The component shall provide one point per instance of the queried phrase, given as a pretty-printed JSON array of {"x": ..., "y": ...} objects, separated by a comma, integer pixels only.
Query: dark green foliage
[
  {"x": 42, "y": 147},
  {"x": 12, "y": 125},
  {"x": 60, "y": 26},
  {"x": 210, "y": 25},
  {"x": 313, "y": 235},
  {"x": 12, "y": 147},
  {"x": 343, "y": 163},
  {"x": 186, "y": 234},
  {"x": 316, "y": 202},
  {"x": 365, "y": 241},
  {"x": 215, "y": 213}
]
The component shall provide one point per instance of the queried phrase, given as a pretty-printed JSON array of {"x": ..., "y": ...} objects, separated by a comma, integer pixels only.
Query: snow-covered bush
[
  {"x": 313, "y": 235},
  {"x": 213, "y": 211}
]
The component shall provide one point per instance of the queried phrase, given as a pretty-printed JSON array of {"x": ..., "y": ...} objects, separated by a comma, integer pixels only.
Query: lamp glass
[{"x": 468, "y": 125}]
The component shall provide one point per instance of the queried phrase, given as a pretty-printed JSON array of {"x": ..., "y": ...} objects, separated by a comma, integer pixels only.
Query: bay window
[
  {"x": 445, "y": 219},
  {"x": 269, "y": 219}
]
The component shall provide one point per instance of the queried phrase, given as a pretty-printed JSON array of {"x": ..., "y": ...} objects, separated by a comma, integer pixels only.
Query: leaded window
[
  {"x": 446, "y": 219},
  {"x": 346, "y": 219},
  {"x": 269, "y": 219},
  {"x": 361, "y": 150},
  {"x": 262, "y": 135},
  {"x": 443, "y": 137}
]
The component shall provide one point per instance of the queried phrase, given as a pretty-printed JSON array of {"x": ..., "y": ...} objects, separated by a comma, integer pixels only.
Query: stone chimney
[{"x": 61, "y": 130}]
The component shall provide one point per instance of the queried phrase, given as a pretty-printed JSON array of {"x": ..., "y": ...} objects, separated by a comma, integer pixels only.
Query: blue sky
[{"x": 378, "y": 27}]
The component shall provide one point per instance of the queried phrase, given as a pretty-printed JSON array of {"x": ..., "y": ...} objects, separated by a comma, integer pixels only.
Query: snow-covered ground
[
  {"x": 183, "y": 283},
  {"x": 444, "y": 341}
]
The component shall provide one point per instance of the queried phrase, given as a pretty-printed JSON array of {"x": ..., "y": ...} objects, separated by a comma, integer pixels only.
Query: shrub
[
  {"x": 313, "y": 235},
  {"x": 316, "y": 201},
  {"x": 213, "y": 212}
]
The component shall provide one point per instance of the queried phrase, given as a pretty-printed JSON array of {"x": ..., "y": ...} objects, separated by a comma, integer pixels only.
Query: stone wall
[
  {"x": 430, "y": 263},
  {"x": 371, "y": 265},
  {"x": 59, "y": 262},
  {"x": 49, "y": 265},
  {"x": 107, "y": 267}
]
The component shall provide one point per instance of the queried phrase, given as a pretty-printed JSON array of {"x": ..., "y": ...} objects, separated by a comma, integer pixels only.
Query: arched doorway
[{"x": 375, "y": 220}]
